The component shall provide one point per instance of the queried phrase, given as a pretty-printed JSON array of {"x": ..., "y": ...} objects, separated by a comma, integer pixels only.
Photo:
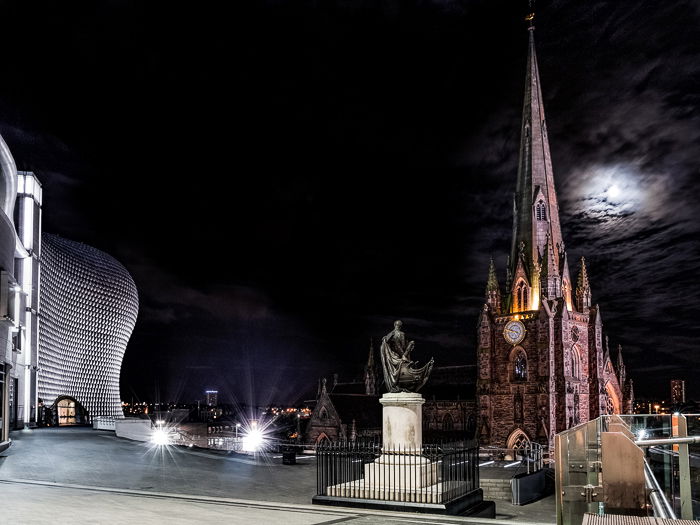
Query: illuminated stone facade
[
  {"x": 89, "y": 305},
  {"x": 544, "y": 364}
]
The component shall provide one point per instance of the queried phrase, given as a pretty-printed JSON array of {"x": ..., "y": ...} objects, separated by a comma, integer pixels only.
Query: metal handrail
[
  {"x": 662, "y": 508},
  {"x": 668, "y": 441}
]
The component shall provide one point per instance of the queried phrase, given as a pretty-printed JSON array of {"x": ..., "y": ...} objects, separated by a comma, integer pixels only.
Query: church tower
[{"x": 542, "y": 364}]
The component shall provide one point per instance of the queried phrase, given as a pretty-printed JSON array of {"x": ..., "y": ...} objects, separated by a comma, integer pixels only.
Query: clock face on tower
[{"x": 514, "y": 332}]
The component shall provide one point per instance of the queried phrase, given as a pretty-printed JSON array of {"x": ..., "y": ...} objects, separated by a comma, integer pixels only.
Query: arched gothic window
[
  {"x": 521, "y": 296},
  {"x": 518, "y": 440},
  {"x": 575, "y": 363},
  {"x": 448, "y": 422},
  {"x": 324, "y": 413},
  {"x": 519, "y": 365},
  {"x": 540, "y": 211}
]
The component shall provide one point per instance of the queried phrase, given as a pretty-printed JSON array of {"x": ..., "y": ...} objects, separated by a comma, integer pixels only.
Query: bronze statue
[{"x": 400, "y": 373}]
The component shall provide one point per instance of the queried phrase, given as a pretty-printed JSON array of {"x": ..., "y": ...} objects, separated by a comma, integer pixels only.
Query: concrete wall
[
  {"x": 136, "y": 429},
  {"x": 104, "y": 423}
]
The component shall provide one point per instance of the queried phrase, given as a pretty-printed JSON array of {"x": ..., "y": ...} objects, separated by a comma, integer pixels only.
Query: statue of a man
[{"x": 399, "y": 373}]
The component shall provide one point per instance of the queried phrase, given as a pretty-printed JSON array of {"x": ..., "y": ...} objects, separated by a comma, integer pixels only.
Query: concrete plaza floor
[{"x": 79, "y": 475}]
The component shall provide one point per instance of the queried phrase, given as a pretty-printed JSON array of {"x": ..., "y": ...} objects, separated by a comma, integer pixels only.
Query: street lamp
[{"x": 237, "y": 426}]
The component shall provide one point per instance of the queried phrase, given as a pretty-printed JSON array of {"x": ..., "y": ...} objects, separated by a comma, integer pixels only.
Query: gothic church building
[{"x": 544, "y": 364}]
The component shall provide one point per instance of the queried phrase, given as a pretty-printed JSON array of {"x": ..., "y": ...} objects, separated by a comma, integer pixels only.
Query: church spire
[
  {"x": 621, "y": 373},
  {"x": 493, "y": 291},
  {"x": 370, "y": 372},
  {"x": 583, "y": 289},
  {"x": 536, "y": 219}
]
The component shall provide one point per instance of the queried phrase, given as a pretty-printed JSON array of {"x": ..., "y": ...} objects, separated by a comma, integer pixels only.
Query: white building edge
[{"x": 97, "y": 296}]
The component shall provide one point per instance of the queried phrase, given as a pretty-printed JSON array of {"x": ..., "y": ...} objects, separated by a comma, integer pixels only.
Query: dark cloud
[{"x": 274, "y": 183}]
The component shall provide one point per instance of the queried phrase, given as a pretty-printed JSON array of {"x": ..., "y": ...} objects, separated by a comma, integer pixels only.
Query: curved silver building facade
[{"x": 89, "y": 305}]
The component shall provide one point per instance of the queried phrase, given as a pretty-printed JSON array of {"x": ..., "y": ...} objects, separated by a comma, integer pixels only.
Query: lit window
[
  {"x": 520, "y": 366},
  {"x": 521, "y": 296}
]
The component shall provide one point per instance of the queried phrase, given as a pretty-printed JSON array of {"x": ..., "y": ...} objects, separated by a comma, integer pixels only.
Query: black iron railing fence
[{"x": 435, "y": 473}]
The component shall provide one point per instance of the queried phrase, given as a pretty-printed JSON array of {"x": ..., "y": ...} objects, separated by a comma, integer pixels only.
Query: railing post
[{"x": 684, "y": 471}]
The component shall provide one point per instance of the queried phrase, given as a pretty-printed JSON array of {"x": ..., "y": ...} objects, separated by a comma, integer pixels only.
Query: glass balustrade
[{"x": 601, "y": 464}]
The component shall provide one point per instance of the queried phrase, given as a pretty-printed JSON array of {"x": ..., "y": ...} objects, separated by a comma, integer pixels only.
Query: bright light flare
[
  {"x": 160, "y": 437},
  {"x": 253, "y": 441}
]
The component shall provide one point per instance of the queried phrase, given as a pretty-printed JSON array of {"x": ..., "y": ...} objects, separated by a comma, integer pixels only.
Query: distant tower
[
  {"x": 371, "y": 372},
  {"x": 541, "y": 360},
  {"x": 212, "y": 398},
  {"x": 677, "y": 392}
]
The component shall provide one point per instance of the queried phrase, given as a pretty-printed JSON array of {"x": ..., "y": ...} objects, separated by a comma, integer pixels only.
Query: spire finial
[{"x": 530, "y": 18}]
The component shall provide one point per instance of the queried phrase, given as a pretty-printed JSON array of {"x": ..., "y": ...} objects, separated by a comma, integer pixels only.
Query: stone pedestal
[
  {"x": 402, "y": 422},
  {"x": 401, "y": 465}
]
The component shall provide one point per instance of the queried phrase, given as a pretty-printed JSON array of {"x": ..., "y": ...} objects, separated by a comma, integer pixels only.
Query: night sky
[{"x": 285, "y": 179}]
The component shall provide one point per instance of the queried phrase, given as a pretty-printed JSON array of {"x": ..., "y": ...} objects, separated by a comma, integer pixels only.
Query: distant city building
[
  {"x": 212, "y": 398},
  {"x": 677, "y": 391},
  {"x": 544, "y": 364}
]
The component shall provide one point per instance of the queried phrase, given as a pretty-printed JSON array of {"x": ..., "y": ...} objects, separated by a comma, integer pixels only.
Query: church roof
[
  {"x": 365, "y": 410},
  {"x": 453, "y": 374},
  {"x": 449, "y": 383},
  {"x": 354, "y": 387},
  {"x": 449, "y": 392}
]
